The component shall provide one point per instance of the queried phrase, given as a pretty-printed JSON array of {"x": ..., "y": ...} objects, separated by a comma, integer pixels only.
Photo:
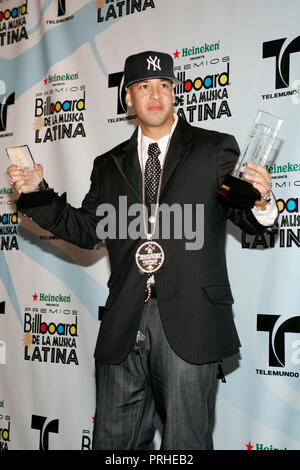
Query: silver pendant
[{"x": 149, "y": 257}]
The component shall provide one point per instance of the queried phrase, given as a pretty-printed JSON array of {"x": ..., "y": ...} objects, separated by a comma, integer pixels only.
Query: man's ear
[
  {"x": 173, "y": 95},
  {"x": 128, "y": 97}
]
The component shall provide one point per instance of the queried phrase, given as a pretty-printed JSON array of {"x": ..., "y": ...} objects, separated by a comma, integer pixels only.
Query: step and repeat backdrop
[{"x": 61, "y": 92}]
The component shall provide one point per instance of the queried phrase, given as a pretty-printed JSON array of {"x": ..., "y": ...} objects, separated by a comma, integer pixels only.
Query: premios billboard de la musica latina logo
[
  {"x": 204, "y": 71},
  {"x": 13, "y": 23},
  {"x": 51, "y": 329},
  {"x": 281, "y": 51},
  {"x": 109, "y": 10},
  {"x": 284, "y": 234},
  {"x": 203, "y": 94},
  {"x": 60, "y": 108},
  {"x": 9, "y": 224}
]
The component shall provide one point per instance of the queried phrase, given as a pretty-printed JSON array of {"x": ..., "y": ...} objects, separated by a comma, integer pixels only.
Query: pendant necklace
[{"x": 150, "y": 255}]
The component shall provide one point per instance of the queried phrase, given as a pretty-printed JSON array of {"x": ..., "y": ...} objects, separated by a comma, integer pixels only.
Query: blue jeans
[{"x": 154, "y": 379}]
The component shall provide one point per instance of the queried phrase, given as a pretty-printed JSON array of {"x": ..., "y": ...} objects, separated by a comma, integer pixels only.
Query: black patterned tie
[
  {"x": 152, "y": 173},
  {"x": 152, "y": 176}
]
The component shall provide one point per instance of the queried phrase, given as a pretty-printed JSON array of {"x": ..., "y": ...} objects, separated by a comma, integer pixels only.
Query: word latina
[{"x": 122, "y": 8}]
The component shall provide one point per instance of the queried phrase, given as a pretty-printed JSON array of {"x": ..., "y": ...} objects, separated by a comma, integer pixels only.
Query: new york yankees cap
[{"x": 149, "y": 64}]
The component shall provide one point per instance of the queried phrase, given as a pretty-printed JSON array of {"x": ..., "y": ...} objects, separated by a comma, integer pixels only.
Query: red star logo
[
  {"x": 35, "y": 297},
  {"x": 176, "y": 54},
  {"x": 45, "y": 81},
  {"x": 249, "y": 446}
]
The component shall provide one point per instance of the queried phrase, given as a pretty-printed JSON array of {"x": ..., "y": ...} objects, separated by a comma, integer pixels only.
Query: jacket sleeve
[
  {"x": 227, "y": 155},
  {"x": 53, "y": 213}
]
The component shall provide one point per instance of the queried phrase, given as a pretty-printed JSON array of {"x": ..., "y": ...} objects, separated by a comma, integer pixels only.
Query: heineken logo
[
  {"x": 284, "y": 168},
  {"x": 197, "y": 49},
  {"x": 42, "y": 297},
  {"x": 260, "y": 446},
  {"x": 6, "y": 190},
  {"x": 64, "y": 77}
]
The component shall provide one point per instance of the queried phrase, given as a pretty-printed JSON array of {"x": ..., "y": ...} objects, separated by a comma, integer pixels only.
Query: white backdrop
[{"x": 61, "y": 68}]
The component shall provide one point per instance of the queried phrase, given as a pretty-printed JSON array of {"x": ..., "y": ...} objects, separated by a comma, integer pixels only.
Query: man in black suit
[{"x": 167, "y": 322}]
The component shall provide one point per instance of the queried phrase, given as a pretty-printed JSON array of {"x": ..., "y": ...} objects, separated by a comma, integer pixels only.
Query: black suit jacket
[{"x": 193, "y": 291}]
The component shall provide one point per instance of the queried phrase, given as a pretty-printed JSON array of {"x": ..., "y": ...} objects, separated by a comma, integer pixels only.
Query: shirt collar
[{"x": 162, "y": 142}]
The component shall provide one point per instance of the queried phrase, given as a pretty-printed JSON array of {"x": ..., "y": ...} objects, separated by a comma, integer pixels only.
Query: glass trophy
[
  {"x": 22, "y": 157},
  {"x": 235, "y": 187}
]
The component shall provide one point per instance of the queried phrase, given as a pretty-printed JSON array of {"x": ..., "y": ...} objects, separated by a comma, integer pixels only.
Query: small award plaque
[
  {"x": 21, "y": 156},
  {"x": 259, "y": 144}
]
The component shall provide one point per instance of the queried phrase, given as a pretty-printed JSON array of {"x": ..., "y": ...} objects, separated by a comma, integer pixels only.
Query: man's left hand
[{"x": 261, "y": 180}]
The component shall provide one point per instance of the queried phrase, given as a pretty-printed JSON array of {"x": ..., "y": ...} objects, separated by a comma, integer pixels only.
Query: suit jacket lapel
[
  {"x": 180, "y": 144},
  {"x": 128, "y": 164}
]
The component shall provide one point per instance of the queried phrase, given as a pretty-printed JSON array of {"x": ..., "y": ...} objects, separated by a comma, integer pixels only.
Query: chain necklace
[{"x": 150, "y": 256}]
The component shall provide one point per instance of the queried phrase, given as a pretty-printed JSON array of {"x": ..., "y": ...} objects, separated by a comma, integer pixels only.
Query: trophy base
[{"x": 237, "y": 191}]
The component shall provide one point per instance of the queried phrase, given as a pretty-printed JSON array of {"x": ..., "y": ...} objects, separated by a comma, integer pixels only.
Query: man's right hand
[{"x": 25, "y": 181}]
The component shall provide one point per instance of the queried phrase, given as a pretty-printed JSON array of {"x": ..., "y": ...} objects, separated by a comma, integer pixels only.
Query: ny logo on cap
[{"x": 155, "y": 63}]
